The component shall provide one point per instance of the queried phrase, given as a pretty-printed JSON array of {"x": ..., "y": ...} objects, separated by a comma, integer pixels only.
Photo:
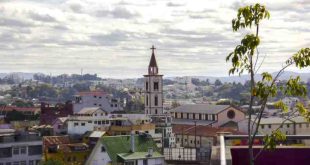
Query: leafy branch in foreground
[{"x": 244, "y": 58}]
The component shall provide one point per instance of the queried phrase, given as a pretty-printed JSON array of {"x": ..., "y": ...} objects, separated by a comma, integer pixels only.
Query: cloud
[
  {"x": 41, "y": 17},
  {"x": 9, "y": 22},
  {"x": 171, "y": 4},
  {"x": 117, "y": 12}
]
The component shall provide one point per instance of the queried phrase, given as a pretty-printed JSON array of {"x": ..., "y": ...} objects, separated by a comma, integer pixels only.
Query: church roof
[{"x": 153, "y": 62}]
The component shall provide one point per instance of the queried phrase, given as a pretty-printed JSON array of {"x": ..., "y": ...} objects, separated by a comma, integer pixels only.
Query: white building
[
  {"x": 20, "y": 149},
  {"x": 88, "y": 119},
  {"x": 125, "y": 150},
  {"x": 96, "y": 99},
  {"x": 97, "y": 119}
]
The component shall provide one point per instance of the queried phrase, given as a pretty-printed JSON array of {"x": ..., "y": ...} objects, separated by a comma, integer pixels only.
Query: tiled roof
[
  {"x": 20, "y": 109},
  {"x": 92, "y": 93},
  {"x": 89, "y": 110},
  {"x": 121, "y": 144},
  {"x": 74, "y": 147},
  {"x": 201, "y": 108},
  {"x": 192, "y": 122},
  {"x": 55, "y": 140},
  {"x": 202, "y": 130}
]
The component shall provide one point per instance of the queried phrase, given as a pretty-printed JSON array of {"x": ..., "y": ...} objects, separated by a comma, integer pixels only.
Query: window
[
  {"x": 31, "y": 162},
  {"x": 100, "y": 105},
  {"x": 199, "y": 116},
  {"x": 144, "y": 161},
  {"x": 146, "y": 86},
  {"x": 115, "y": 105},
  {"x": 156, "y": 100},
  {"x": 191, "y": 141},
  {"x": 231, "y": 114},
  {"x": 187, "y": 115},
  {"x": 194, "y": 116},
  {"x": 95, "y": 122},
  {"x": 287, "y": 125},
  {"x": 9, "y": 163},
  {"x": 269, "y": 125},
  {"x": 95, "y": 96},
  {"x": 23, "y": 163},
  {"x": 23, "y": 150},
  {"x": 181, "y": 115},
  {"x": 95, "y": 103},
  {"x": 76, "y": 124},
  {"x": 111, "y": 105},
  {"x": 99, "y": 97},
  {"x": 16, "y": 151},
  {"x": 90, "y": 121},
  {"x": 263, "y": 126},
  {"x": 155, "y": 111},
  {"x": 101, "y": 114},
  {"x": 15, "y": 163},
  {"x": 35, "y": 150},
  {"x": 155, "y": 86},
  {"x": 82, "y": 124},
  {"x": 147, "y": 100},
  {"x": 99, "y": 122}
]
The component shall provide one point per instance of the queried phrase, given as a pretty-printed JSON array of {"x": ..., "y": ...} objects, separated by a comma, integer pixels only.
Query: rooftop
[
  {"x": 139, "y": 155},
  {"x": 201, "y": 108},
  {"x": 121, "y": 145}
]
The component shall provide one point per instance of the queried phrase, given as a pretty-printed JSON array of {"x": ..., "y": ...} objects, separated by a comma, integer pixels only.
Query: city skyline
[{"x": 113, "y": 39}]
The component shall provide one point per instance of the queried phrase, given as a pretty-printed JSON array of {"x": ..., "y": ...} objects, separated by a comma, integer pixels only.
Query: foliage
[
  {"x": 51, "y": 162},
  {"x": 244, "y": 58}
]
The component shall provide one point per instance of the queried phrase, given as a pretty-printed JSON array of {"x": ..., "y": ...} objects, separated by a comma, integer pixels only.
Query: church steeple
[{"x": 153, "y": 69}]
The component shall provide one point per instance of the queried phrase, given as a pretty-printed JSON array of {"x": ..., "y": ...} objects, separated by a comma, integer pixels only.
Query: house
[
  {"x": 60, "y": 126},
  {"x": 125, "y": 150},
  {"x": 207, "y": 114},
  {"x": 88, "y": 119},
  {"x": 49, "y": 113},
  {"x": 91, "y": 137},
  {"x": 96, "y": 99},
  {"x": 20, "y": 148},
  {"x": 62, "y": 149}
]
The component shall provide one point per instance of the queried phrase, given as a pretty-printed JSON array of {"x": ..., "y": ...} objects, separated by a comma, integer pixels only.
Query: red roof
[
  {"x": 55, "y": 140},
  {"x": 202, "y": 130},
  {"x": 92, "y": 93},
  {"x": 11, "y": 108}
]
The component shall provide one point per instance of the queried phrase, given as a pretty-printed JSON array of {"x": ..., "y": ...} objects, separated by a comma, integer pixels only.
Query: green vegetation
[
  {"x": 51, "y": 162},
  {"x": 245, "y": 57}
]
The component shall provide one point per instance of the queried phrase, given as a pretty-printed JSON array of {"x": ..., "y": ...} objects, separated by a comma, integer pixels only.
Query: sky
[{"x": 112, "y": 38}]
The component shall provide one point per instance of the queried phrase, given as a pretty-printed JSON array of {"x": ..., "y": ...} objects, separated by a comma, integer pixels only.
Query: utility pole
[{"x": 195, "y": 133}]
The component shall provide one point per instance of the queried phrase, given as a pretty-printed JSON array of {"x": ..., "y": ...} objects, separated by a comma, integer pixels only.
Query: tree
[
  {"x": 51, "y": 162},
  {"x": 218, "y": 82},
  {"x": 175, "y": 104},
  {"x": 245, "y": 58}
]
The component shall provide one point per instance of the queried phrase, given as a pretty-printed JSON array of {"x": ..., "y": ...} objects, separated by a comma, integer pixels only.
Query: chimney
[
  {"x": 150, "y": 152},
  {"x": 132, "y": 142}
]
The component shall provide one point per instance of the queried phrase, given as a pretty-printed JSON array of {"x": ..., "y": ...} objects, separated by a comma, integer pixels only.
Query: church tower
[{"x": 153, "y": 88}]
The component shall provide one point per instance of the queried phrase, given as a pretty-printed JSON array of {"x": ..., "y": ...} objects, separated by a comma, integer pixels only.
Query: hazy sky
[{"x": 112, "y": 38}]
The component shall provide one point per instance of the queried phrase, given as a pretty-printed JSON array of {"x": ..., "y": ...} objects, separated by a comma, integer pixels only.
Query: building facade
[
  {"x": 208, "y": 114},
  {"x": 96, "y": 99},
  {"x": 20, "y": 149}
]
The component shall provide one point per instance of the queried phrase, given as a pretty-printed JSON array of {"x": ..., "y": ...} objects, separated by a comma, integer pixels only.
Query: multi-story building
[
  {"x": 97, "y": 119},
  {"x": 20, "y": 148},
  {"x": 96, "y": 99}
]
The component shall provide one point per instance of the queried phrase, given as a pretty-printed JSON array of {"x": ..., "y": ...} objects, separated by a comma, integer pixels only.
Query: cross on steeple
[{"x": 153, "y": 48}]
